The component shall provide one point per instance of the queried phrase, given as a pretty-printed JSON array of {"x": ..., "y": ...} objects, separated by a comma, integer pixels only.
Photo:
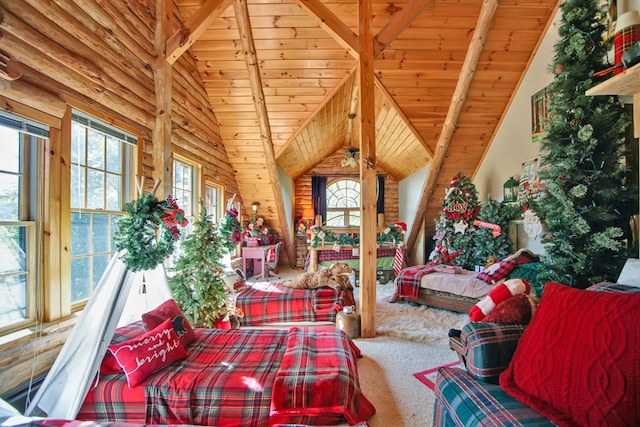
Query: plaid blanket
[
  {"x": 264, "y": 303},
  {"x": 347, "y": 254},
  {"x": 227, "y": 380},
  {"x": 408, "y": 281},
  {"x": 331, "y": 390}
]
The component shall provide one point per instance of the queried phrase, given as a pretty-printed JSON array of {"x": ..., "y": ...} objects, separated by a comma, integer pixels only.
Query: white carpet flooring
[{"x": 409, "y": 339}]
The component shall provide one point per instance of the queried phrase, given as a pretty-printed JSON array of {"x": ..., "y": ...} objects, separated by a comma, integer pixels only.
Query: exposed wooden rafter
[
  {"x": 249, "y": 51},
  {"x": 455, "y": 107},
  {"x": 179, "y": 42},
  {"x": 319, "y": 108},
  {"x": 400, "y": 113},
  {"x": 399, "y": 22},
  {"x": 351, "y": 115},
  {"x": 332, "y": 25}
]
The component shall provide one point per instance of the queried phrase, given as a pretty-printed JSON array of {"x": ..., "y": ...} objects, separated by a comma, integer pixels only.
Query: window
[
  {"x": 100, "y": 176},
  {"x": 19, "y": 219},
  {"x": 213, "y": 202},
  {"x": 343, "y": 203},
  {"x": 184, "y": 191}
]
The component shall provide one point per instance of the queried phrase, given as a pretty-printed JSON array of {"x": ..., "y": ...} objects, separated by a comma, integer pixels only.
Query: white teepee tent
[{"x": 120, "y": 298}]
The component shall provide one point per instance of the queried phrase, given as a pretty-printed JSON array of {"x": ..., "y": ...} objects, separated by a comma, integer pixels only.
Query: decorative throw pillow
[
  {"x": 170, "y": 310},
  {"x": 497, "y": 272},
  {"x": 147, "y": 353},
  {"x": 109, "y": 365},
  {"x": 577, "y": 362}
]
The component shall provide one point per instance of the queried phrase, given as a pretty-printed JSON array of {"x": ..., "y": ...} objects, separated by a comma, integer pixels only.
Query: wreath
[{"x": 137, "y": 233}]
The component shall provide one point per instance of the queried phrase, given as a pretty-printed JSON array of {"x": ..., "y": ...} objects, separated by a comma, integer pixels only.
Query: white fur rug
[{"x": 411, "y": 321}]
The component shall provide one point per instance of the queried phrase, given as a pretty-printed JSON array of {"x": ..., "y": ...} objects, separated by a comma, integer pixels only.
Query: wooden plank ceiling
[{"x": 306, "y": 54}]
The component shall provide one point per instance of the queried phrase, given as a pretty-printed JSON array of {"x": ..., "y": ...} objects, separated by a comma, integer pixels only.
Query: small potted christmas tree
[{"x": 198, "y": 285}]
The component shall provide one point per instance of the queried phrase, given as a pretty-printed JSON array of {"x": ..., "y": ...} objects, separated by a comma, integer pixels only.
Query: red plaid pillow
[
  {"x": 497, "y": 272},
  {"x": 170, "y": 310},
  {"x": 147, "y": 353}
]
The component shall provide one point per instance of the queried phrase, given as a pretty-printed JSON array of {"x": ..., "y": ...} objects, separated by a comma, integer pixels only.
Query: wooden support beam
[
  {"x": 329, "y": 22},
  {"x": 455, "y": 107},
  {"x": 162, "y": 157},
  {"x": 368, "y": 179},
  {"x": 182, "y": 39},
  {"x": 352, "y": 113},
  {"x": 400, "y": 113},
  {"x": 398, "y": 23},
  {"x": 249, "y": 51}
]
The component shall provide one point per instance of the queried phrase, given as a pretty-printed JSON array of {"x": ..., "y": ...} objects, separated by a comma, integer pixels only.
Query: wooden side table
[{"x": 455, "y": 344}]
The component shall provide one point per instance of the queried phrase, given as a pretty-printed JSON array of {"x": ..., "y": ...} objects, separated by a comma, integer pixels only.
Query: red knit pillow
[
  {"x": 578, "y": 362},
  {"x": 145, "y": 354},
  {"x": 170, "y": 310}
]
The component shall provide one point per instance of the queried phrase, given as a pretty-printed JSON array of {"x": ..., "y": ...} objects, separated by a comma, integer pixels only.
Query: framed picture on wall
[
  {"x": 530, "y": 185},
  {"x": 539, "y": 112}
]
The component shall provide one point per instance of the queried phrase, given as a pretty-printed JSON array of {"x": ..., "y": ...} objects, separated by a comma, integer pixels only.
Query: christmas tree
[
  {"x": 454, "y": 228},
  {"x": 198, "y": 285},
  {"x": 586, "y": 205},
  {"x": 491, "y": 237}
]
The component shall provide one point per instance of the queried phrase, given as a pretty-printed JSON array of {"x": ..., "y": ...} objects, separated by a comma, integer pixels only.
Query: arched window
[{"x": 343, "y": 203}]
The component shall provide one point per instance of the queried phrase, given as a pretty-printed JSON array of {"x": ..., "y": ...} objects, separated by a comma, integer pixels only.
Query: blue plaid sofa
[{"x": 472, "y": 397}]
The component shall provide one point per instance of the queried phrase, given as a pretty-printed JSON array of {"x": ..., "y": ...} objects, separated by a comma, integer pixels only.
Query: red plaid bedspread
[
  {"x": 331, "y": 255},
  {"x": 227, "y": 380},
  {"x": 264, "y": 303},
  {"x": 331, "y": 390},
  {"x": 408, "y": 281}
]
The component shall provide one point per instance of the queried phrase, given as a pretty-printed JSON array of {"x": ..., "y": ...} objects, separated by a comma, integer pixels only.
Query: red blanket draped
[{"x": 331, "y": 389}]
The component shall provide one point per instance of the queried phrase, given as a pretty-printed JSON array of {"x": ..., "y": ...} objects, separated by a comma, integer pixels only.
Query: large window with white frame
[
  {"x": 213, "y": 202},
  {"x": 343, "y": 203},
  {"x": 101, "y": 173},
  {"x": 20, "y": 219},
  {"x": 185, "y": 190}
]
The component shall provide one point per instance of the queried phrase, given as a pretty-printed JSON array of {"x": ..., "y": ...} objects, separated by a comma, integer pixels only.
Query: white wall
[
  {"x": 409, "y": 192},
  {"x": 512, "y": 144}
]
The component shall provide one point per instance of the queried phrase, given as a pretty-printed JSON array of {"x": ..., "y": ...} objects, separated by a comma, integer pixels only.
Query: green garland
[{"x": 136, "y": 234}]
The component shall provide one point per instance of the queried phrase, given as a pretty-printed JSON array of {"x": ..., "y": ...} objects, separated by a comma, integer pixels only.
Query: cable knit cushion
[
  {"x": 170, "y": 310},
  {"x": 578, "y": 362}
]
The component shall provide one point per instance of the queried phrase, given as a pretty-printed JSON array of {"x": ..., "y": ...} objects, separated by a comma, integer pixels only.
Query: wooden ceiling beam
[
  {"x": 329, "y": 22},
  {"x": 249, "y": 51},
  {"x": 455, "y": 107},
  {"x": 398, "y": 23},
  {"x": 182, "y": 39},
  {"x": 400, "y": 113},
  {"x": 319, "y": 108},
  {"x": 352, "y": 113}
]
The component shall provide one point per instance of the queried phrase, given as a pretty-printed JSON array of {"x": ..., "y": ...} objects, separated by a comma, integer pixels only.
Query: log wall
[{"x": 96, "y": 56}]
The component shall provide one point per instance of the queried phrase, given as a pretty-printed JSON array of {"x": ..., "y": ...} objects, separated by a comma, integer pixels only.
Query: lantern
[
  {"x": 510, "y": 190},
  {"x": 254, "y": 208}
]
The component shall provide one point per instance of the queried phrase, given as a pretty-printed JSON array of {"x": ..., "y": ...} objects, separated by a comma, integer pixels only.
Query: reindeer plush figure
[{"x": 335, "y": 277}]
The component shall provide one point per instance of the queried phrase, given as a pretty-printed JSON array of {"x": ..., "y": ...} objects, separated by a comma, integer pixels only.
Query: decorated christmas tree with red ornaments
[{"x": 454, "y": 228}]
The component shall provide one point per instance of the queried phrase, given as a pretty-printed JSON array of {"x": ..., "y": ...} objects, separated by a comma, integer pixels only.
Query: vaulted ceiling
[{"x": 286, "y": 70}]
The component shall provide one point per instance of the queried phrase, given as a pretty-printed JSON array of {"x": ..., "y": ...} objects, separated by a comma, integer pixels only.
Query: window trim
[{"x": 346, "y": 210}]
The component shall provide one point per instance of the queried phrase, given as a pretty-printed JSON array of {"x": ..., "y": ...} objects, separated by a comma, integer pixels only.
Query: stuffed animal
[
  {"x": 499, "y": 293},
  {"x": 517, "y": 310},
  {"x": 335, "y": 277}
]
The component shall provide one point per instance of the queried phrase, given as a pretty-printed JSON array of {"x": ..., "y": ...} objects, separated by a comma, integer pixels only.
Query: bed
[
  {"x": 457, "y": 289},
  {"x": 271, "y": 303},
  {"x": 241, "y": 377},
  {"x": 438, "y": 286},
  {"x": 324, "y": 256}
]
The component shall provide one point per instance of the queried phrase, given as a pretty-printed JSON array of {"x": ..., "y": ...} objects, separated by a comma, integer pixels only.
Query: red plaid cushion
[{"x": 497, "y": 272}]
